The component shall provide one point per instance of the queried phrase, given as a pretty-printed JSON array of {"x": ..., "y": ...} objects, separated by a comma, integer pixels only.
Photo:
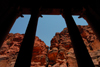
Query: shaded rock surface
[
  {"x": 11, "y": 46},
  {"x": 61, "y": 53},
  {"x": 61, "y": 50}
]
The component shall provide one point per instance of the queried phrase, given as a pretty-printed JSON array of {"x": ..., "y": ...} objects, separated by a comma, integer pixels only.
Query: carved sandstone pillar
[
  {"x": 7, "y": 22},
  {"x": 25, "y": 53},
  {"x": 81, "y": 52},
  {"x": 93, "y": 19}
]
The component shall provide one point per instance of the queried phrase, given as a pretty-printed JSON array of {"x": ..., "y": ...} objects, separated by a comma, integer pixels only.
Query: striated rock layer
[{"x": 61, "y": 53}]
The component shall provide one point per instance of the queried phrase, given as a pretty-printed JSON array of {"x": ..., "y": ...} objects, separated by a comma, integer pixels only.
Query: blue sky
[{"x": 47, "y": 26}]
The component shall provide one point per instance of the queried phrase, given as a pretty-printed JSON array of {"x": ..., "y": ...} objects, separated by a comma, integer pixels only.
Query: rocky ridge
[
  {"x": 11, "y": 46},
  {"x": 61, "y": 53}
]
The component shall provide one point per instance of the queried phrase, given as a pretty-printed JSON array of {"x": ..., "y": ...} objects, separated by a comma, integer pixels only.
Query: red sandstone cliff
[
  {"x": 61, "y": 53},
  {"x": 11, "y": 47}
]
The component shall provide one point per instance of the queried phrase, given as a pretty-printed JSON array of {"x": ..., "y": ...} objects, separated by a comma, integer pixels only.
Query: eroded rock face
[
  {"x": 64, "y": 52},
  {"x": 39, "y": 56},
  {"x": 11, "y": 47},
  {"x": 61, "y": 53}
]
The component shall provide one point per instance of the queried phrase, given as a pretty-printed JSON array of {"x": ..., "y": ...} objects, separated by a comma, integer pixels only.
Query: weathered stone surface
[
  {"x": 52, "y": 55},
  {"x": 39, "y": 53},
  {"x": 11, "y": 47},
  {"x": 95, "y": 61},
  {"x": 63, "y": 65},
  {"x": 71, "y": 62},
  {"x": 95, "y": 45},
  {"x": 61, "y": 53},
  {"x": 63, "y": 42},
  {"x": 3, "y": 63},
  {"x": 56, "y": 65}
]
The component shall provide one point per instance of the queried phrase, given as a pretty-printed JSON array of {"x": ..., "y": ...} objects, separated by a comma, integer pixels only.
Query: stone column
[
  {"x": 25, "y": 53},
  {"x": 7, "y": 22},
  {"x": 93, "y": 20},
  {"x": 81, "y": 52}
]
